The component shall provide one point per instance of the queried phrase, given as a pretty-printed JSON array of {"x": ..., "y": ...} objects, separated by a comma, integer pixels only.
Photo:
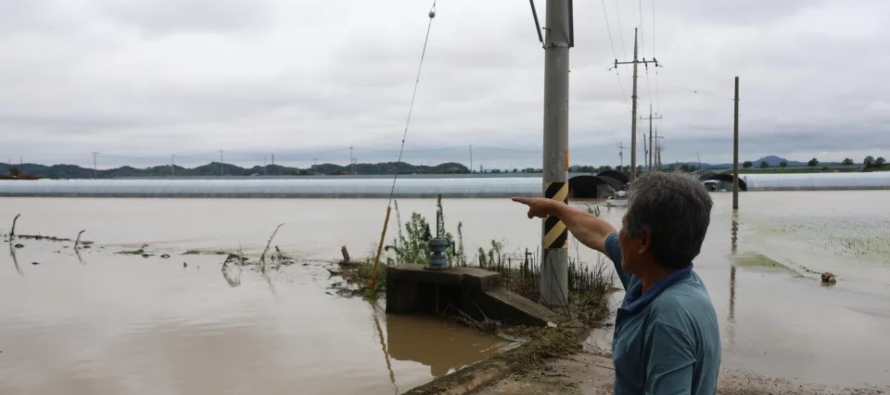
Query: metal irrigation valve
[{"x": 438, "y": 247}]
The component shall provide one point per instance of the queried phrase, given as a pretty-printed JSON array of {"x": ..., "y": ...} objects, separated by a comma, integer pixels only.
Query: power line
[
  {"x": 620, "y": 29},
  {"x": 643, "y": 49},
  {"x": 432, "y": 14},
  {"x": 642, "y": 34},
  {"x": 608, "y": 29},
  {"x": 614, "y": 53},
  {"x": 657, "y": 93}
]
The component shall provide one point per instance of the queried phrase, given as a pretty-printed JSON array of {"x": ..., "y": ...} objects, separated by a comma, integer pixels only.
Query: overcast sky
[{"x": 141, "y": 80}]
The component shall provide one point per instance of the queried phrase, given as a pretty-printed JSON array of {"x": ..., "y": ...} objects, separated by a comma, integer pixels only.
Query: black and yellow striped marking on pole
[{"x": 555, "y": 233}]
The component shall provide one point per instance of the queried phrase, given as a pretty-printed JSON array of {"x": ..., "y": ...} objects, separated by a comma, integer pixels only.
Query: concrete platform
[{"x": 411, "y": 289}]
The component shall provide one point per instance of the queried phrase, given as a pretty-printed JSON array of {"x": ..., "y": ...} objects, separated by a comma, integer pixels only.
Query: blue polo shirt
[{"x": 667, "y": 341}]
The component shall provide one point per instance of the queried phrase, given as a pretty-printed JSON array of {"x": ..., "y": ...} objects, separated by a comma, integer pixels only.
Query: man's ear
[{"x": 645, "y": 242}]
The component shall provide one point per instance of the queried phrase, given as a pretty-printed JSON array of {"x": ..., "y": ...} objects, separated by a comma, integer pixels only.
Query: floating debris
[
  {"x": 828, "y": 278},
  {"x": 35, "y": 263},
  {"x": 185, "y": 264},
  {"x": 19, "y": 246},
  {"x": 198, "y": 252},
  {"x": 165, "y": 256},
  {"x": 140, "y": 251}
]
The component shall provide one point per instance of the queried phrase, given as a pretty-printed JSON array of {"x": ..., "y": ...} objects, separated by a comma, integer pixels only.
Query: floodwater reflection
[
  {"x": 441, "y": 347},
  {"x": 730, "y": 327},
  {"x": 15, "y": 260}
]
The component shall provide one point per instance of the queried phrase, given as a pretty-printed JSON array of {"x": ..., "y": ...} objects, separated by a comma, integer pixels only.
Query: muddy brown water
[{"x": 112, "y": 324}]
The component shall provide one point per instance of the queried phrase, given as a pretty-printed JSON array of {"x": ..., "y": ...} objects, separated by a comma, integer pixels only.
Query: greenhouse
[
  {"x": 467, "y": 187},
  {"x": 817, "y": 181},
  {"x": 454, "y": 187}
]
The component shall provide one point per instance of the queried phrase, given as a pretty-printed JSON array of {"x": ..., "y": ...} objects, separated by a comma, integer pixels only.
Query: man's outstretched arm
[{"x": 589, "y": 229}]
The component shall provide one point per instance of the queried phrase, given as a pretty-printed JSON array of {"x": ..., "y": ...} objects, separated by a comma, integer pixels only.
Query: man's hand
[
  {"x": 538, "y": 207},
  {"x": 587, "y": 228}
]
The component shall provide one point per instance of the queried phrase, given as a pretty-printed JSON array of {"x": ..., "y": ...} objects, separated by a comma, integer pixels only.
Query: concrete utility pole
[
  {"x": 273, "y": 159},
  {"x": 220, "y": 163},
  {"x": 95, "y": 165},
  {"x": 559, "y": 39},
  {"x": 645, "y": 153},
  {"x": 471, "y": 159},
  {"x": 651, "y": 150},
  {"x": 351, "y": 161},
  {"x": 621, "y": 155},
  {"x": 735, "y": 150},
  {"x": 657, "y": 160},
  {"x": 646, "y": 150},
  {"x": 173, "y": 165},
  {"x": 633, "y": 117}
]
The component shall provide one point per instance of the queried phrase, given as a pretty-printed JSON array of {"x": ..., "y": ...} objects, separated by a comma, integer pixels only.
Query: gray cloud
[
  {"x": 185, "y": 16},
  {"x": 140, "y": 80}
]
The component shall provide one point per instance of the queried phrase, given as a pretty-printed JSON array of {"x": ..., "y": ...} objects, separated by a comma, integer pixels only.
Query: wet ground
[
  {"x": 591, "y": 373},
  {"x": 125, "y": 324}
]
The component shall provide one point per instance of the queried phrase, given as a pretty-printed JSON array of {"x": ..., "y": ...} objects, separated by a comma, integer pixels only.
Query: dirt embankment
[{"x": 591, "y": 373}]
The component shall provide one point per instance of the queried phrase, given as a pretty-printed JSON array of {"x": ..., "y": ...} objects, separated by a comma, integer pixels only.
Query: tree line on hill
[
  {"x": 869, "y": 162},
  {"x": 31, "y": 171}
]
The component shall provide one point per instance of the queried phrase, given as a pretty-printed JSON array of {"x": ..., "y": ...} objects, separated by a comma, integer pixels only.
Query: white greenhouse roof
[
  {"x": 291, "y": 188},
  {"x": 415, "y": 187},
  {"x": 816, "y": 181}
]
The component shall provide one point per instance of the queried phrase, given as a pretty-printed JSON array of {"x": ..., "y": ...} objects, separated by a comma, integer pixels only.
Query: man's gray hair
[{"x": 675, "y": 208}]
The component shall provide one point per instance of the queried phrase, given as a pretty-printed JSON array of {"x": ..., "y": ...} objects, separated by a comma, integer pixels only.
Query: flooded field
[{"x": 105, "y": 323}]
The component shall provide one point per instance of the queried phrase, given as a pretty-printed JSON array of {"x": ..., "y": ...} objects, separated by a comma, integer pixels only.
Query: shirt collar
[{"x": 639, "y": 302}]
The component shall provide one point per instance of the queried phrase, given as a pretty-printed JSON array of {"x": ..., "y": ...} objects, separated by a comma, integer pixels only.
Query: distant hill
[
  {"x": 215, "y": 169},
  {"x": 771, "y": 160},
  {"x": 774, "y": 161}
]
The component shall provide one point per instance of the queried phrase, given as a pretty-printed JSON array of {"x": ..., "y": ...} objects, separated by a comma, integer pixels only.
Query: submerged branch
[
  {"x": 77, "y": 241},
  {"x": 12, "y": 231},
  {"x": 268, "y": 244}
]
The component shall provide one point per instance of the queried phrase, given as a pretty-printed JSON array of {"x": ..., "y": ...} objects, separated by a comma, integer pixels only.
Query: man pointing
[{"x": 667, "y": 338}]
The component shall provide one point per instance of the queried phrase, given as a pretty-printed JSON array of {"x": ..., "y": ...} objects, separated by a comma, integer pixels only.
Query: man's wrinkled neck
[{"x": 652, "y": 275}]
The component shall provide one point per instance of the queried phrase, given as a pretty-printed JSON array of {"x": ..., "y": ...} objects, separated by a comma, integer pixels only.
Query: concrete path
[{"x": 591, "y": 373}]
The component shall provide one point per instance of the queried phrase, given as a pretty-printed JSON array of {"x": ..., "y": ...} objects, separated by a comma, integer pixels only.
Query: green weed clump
[{"x": 589, "y": 284}]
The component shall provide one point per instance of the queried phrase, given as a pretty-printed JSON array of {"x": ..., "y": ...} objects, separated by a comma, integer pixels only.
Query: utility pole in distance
[
  {"x": 173, "y": 165},
  {"x": 220, "y": 163},
  {"x": 471, "y": 159},
  {"x": 95, "y": 165},
  {"x": 645, "y": 152},
  {"x": 559, "y": 39},
  {"x": 657, "y": 163},
  {"x": 651, "y": 151},
  {"x": 735, "y": 150},
  {"x": 633, "y": 122},
  {"x": 351, "y": 161},
  {"x": 621, "y": 155}
]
